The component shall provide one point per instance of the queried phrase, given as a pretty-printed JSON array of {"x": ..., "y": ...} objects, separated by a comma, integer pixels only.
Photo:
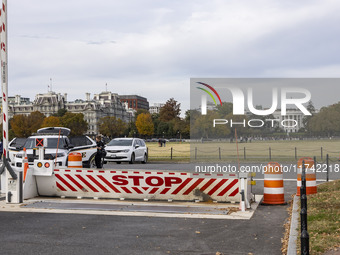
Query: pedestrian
[{"x": 100, "y": 151}]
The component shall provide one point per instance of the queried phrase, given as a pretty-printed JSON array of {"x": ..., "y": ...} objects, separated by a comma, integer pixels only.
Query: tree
[
  {"x": 178, "y": 127},
  {"x": 225, "y": 109},
  {"x": 112, "y": 126},
  {"x": 171, "y": 110},
  {"x": 25, "y": 125},
  {"x": 19, "y": 124},
  {"x": 139, "y": 111},
  {"x": 156, "y": 121},
  {"x": 326, "y": 122},
  {"x": 131, "y": 130},
  {"x": 51, "y": 121},
  {"x": 164, "y": 129},
  {"x": 306, "y": 119},
  {"x": 75, "y": 122},
  {"x": 60, "y": 113},
  {"x": 144, "y": 124},
  {"x": 202, "y": 126},
  {"x": 35, "y": 120}
]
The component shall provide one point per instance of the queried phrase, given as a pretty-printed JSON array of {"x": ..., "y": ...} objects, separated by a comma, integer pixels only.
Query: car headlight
[
  {"x": 126, "y": 150},
  {"x": 19, "y": 155}
]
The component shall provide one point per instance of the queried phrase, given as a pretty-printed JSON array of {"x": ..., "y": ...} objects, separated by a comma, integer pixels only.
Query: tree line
[
  {"x": 165, "y": 124},
  {"x": 325, "y": 123},
  {"x": 25, "y": 125}
]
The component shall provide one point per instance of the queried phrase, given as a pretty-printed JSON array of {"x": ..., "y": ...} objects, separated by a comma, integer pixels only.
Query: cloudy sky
[{"x": 152, "y": 48}]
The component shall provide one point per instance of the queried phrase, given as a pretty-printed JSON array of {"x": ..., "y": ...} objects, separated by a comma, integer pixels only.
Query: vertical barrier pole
[
  {"x": 242, "y": 202},
  {"x": 314, "y": 158},
  {"x": 171, "y": 153},
  {"x": 327, "y": 163},
  {"x": 4, "y": 87},
  {"x": 219, "y": 152},
  {"x": 303, "y": 213}
]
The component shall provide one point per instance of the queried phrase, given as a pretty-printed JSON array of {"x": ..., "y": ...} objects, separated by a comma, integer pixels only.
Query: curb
[{"x": 293, "y": 233}]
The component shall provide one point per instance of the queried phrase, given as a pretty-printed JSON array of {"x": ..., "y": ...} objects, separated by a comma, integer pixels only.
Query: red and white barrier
[{"x": 133, "y": 184}]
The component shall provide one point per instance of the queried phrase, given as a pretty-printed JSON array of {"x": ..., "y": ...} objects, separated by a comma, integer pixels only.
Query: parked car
[
  {"x": 57, "y": 145},
  {"x": 126, "y": 150},
  {"x": 15, "y": 146}
]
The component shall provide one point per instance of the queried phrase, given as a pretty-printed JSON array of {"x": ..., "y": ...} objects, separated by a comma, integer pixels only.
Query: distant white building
[
  {"x": 293, "y": 120},
  {"x": 155, "y": 108}
]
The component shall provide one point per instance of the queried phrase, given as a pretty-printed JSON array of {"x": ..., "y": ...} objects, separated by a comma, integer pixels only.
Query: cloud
[{"x": 153, "y": 48}]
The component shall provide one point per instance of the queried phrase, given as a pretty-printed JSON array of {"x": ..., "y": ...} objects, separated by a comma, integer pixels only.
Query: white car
[
  {"x": 57, "y": 145},
  {"x": 126, "y": 150}
]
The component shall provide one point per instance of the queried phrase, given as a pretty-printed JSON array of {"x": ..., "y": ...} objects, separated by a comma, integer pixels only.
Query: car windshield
[
  {"x": 51, "y": 143},
  {"x": 117, "y": 142}
]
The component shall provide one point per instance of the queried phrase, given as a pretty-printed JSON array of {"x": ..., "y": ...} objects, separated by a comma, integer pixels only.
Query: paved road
[
  {"x": 38, "y": 233},
  {"x": 44, "y": 233}
]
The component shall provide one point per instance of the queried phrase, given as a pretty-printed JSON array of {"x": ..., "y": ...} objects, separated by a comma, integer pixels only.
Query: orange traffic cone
[
  {"x": 273, "y": 191},
  {"x": 311, "y": 187}
]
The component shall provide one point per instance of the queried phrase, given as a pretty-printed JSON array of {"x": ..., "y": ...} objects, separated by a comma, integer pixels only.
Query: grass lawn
[
  {"x": 254, "y": 151},
  {"x": 324, "y": 218},
  {"x": 180, "y": 151}
]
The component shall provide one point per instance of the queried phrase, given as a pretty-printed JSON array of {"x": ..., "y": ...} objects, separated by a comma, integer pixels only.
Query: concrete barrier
[{"x": 142, "y": 184}]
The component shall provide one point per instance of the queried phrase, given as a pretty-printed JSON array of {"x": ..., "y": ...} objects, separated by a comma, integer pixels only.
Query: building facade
[
  {"x": 292, "y": 121},
  {"x": 101, "y": 105},
  {"x": 135, "y": 102},
  {"x": 155, "y": 108}
]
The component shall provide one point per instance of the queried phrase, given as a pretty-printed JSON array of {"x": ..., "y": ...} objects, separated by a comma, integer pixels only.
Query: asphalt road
[
  {"x": 39, "y": 233},
  {"x": 47, "y": 233}
]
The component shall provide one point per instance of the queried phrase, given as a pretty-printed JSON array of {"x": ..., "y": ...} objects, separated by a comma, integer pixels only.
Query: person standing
[{"x": 100, "y": 150}]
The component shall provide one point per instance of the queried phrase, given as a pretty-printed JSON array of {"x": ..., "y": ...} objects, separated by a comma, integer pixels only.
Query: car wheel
[
  {"x": 145, "y": 159},
  {"x": 91, "y": 163},
  {"x": 132, "y": 160}
]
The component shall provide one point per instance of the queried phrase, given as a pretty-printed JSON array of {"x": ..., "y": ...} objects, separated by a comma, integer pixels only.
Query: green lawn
[
  {"x": 324, "y": 218},
  {"x": 254, "y": 151}
]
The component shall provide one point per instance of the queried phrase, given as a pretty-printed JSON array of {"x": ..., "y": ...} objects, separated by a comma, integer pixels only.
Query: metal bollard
[{"x": 303, "y": 213}]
